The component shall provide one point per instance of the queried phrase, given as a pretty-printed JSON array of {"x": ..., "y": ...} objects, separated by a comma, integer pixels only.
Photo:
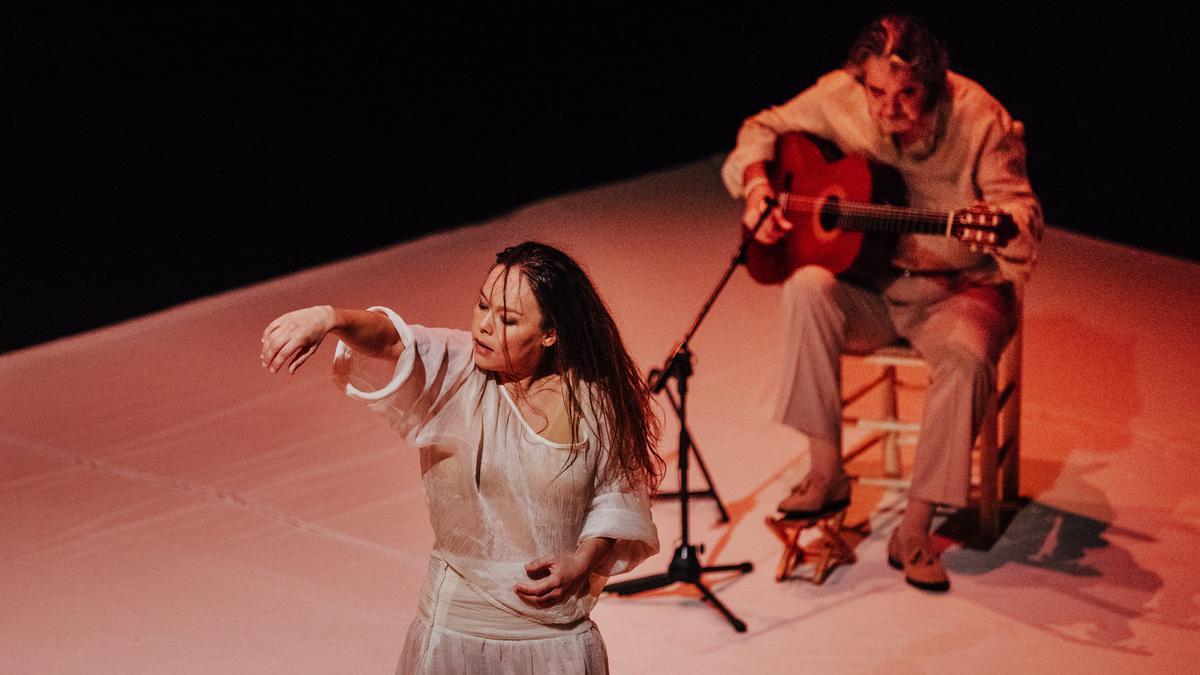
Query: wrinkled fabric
[
  {"x": 499, "y": 495},
  {"x": 435, "y": 651},
  {"x": 449, "y": 602},
  {"x": 457, "y": 631}
]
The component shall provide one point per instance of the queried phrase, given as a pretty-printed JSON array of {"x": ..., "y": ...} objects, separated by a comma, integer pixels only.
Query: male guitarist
[{"x": 955, "y": 146}]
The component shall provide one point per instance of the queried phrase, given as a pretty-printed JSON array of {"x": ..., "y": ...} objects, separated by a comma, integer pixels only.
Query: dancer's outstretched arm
[{"x": 290, "y": 339}]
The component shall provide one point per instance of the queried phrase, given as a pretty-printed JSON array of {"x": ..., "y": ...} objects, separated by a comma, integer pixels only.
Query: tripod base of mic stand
[{"x": 685, "y": 567}]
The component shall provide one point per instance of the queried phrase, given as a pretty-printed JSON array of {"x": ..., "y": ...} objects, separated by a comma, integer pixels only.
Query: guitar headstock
[{"x": 984, "y": 227}]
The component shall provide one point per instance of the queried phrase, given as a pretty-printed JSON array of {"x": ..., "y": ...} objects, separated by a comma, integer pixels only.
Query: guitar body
[{"x": 811, "y": 167}]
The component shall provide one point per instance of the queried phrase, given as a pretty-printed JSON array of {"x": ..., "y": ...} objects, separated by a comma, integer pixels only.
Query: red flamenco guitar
[{"x": 834, "y": 200}]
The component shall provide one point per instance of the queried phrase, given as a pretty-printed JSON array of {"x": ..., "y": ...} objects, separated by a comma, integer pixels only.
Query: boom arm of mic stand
[{"x": 680, "y": 356}]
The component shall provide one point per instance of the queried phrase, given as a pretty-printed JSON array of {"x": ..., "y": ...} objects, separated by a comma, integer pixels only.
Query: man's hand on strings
[{"x": 775, "y": 227}]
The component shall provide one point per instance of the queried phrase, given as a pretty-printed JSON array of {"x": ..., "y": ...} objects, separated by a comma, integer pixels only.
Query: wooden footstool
[{"x": 827, "y": 551}]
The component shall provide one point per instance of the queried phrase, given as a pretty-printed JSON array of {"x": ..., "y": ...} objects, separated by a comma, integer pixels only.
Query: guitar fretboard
[{"x": 862, "y": 217}]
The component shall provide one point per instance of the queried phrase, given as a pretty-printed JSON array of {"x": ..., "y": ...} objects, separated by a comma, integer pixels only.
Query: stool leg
[
  {"x": 1012, "y": 421},
  {"x": 891, "y": 413},
  {"x": 989, "y": 508},
  {"x": 794, "y": 554},
  {"x": 1012, "y": 466},
  {"x": 827, "y": 551},
  {"x": 791, "y": 551},
  {"x": 834, "y": 551},
  {"x": 845, "y": 553}
]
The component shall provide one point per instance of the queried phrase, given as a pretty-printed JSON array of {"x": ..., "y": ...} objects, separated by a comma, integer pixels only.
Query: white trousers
[{"x": 959, "y": 327}]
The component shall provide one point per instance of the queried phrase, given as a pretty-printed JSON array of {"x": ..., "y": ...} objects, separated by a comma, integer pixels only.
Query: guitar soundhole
[{"x": 829, "y": 213}]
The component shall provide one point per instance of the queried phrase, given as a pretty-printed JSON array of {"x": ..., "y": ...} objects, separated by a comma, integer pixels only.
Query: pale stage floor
[{"x": 166, "y": 505}]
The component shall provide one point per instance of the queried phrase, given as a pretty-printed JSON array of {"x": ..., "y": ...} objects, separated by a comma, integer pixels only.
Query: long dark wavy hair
[
  {"x": 908, "y": 39},
  {"x": 590, "y": 355}
]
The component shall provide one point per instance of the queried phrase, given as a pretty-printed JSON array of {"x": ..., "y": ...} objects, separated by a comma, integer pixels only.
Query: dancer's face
[
  {"x": 507, "y": 326},
  {"x": 894, "y": 99}
]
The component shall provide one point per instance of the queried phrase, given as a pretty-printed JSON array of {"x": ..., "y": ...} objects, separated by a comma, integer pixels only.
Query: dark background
[{"x": 154, "y": 156}]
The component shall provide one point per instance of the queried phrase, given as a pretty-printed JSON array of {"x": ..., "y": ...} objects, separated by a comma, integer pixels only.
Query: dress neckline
[{"x": 528, "y": 428}]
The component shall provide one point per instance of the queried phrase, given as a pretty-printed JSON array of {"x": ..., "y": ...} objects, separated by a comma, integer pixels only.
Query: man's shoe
[
  {"x": 808, "y": 500},
  {"x": 922, "y": 567}
]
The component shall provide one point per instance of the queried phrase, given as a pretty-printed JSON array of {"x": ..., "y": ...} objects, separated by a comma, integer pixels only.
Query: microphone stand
[
  {"x": 712, "y": 487},
  {"x": 685, "y": 565}
]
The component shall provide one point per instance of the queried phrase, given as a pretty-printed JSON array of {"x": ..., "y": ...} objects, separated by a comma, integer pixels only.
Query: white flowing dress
[{"x": 499, "y": 496}]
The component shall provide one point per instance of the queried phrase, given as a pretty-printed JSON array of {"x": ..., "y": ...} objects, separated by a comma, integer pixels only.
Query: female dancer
[{"x": 536, "y": 443}]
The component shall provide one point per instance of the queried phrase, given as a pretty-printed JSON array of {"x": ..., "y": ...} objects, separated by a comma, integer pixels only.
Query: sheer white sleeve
[
  {"x": 407, "y": 391},
  {"x": 623, "y": 515}
]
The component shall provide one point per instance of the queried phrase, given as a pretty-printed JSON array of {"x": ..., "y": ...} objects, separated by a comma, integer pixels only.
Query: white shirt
[{"x": 499, "y": 495}]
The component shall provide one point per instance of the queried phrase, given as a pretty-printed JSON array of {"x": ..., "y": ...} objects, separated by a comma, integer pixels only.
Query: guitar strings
[
  {"x": 864, "y": 208},
  {"x": 894, "y": 219},
  {"x": 883, "y": 218}
]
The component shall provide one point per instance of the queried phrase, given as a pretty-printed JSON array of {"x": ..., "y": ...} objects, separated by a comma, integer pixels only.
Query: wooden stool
[
  {"x": 999, "y": 442},
  {"x": 828, "y": 550}
]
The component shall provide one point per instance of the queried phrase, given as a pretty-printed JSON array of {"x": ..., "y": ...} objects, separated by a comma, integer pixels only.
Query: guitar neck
[{"x": 863, "y": 217}]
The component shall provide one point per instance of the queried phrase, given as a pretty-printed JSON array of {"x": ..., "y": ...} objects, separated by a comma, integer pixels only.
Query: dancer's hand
[
  {"x": 557, "y": 577},
  {"x": 293, "y": 337}
]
